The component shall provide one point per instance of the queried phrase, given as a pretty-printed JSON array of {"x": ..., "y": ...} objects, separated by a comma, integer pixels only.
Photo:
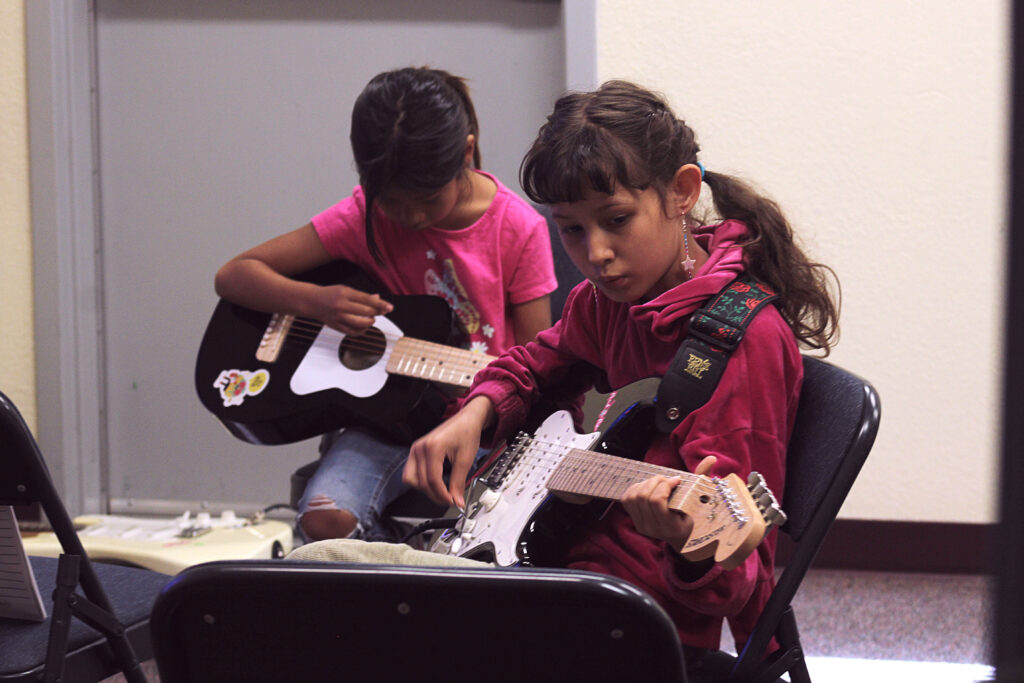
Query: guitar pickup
[{"x": 194, "y": 531}]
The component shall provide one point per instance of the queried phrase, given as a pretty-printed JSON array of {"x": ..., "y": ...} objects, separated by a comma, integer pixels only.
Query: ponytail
[
  {"x": 624, "y": 135},
  {"x": 772, "y": 256}
]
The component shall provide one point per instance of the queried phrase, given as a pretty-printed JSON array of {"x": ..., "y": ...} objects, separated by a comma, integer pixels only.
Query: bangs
[{"x": 563, "y": 170}]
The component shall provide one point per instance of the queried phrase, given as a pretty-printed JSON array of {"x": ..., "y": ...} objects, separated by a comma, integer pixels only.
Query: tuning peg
[{"x": 775, "y": 516}]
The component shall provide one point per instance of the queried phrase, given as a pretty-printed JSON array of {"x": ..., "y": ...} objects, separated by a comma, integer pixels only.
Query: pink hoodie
[{"x": 746, "y": 424}]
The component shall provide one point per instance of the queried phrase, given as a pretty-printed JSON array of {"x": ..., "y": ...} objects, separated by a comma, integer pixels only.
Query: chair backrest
[
  {"x": 835, "y": 428},
  {"x": 289, "y": 620},
  {"x": 25, "y": 479},
  {"x": 23, "y": 474},
  {"x": 836, "y": 424}
]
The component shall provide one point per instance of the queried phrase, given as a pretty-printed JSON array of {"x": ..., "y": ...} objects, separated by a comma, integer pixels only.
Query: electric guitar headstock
[{"x": 730, "y": 518}]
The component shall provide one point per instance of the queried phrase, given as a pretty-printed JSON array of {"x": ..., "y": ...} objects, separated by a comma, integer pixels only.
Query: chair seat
[{"x": 23, "y": 643}]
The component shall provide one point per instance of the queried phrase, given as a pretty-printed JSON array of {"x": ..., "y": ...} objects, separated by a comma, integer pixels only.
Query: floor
[{"x": 867, "y": 626}]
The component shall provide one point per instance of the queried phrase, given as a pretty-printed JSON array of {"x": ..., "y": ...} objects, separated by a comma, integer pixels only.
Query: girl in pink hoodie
[{"x": 622, "y": 178}]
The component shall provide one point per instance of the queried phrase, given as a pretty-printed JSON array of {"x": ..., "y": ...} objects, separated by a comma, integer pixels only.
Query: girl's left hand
[{"x": 647, "y": 505}]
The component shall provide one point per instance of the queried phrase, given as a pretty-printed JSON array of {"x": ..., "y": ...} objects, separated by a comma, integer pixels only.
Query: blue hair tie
[{"x": 701, "y": 167}]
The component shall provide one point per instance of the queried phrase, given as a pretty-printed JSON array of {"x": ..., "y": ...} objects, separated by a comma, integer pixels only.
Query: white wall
[
  {"x": 17, "y": 359},
  {"x": 881, "y": 127}
]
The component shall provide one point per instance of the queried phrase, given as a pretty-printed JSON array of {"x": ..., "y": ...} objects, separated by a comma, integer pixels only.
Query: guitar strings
[
  {"x": 553, "y": 453},
  {"x": 556, "y": 450},
  {"x": 426, "y": 359},
  {"x": 455, "y": 358}
]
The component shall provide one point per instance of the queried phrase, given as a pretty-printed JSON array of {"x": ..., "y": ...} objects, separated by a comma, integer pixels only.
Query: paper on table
[{"x": 19, "y": 594}]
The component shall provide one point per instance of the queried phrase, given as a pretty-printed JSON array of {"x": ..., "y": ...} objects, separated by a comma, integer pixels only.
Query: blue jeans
[{"x": 362, "y": 474}]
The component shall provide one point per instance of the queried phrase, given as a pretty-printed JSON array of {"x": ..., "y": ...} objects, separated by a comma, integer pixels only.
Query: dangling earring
[{"x": 687, "y": 263}]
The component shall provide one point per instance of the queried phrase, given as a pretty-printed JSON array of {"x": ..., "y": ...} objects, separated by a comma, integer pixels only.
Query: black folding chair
[
  {"x": 109, "y": 631},
  {"x": 836, "y": 424},
  {"x": 317, "y": 621}
]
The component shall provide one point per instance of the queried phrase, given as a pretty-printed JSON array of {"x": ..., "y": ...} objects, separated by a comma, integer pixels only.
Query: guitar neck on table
[{"x": 168, "y": 545}]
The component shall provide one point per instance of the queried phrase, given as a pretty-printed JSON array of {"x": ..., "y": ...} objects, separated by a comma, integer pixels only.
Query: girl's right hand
[
  {"x": 348, "y": 310},
  {"x": 457, "y": 440}
]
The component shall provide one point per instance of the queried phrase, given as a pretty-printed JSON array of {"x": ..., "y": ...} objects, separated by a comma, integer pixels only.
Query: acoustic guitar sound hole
[{"x": 364, "y": 351}]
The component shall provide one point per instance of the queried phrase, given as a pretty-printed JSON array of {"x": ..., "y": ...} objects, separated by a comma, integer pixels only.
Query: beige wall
[
  {"x": 17, "y": 369},
  {"x": 880, "y": 126}
]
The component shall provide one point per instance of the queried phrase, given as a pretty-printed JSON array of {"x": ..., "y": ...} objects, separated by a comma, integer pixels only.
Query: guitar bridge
[
  {"x": 506, "y": 461},
  {"x": 273, "y": 337}
]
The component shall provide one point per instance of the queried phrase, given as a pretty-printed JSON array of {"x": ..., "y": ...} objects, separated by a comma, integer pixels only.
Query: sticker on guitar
[
  {"x": 507, "y": 501},
  {"x": 235, "y": 385}
]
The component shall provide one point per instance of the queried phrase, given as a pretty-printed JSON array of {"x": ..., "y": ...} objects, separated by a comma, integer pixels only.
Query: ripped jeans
[{"x": 362, "y": 474}]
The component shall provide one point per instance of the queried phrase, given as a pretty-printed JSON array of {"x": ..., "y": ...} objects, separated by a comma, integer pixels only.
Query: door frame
[
  {"x": 64, "y": 195},
  {"x": 66, "y": 233}
]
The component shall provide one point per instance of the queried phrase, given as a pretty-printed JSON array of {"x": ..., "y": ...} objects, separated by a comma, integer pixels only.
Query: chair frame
[
  {"x": 828, "y": 390},
  {"x": 25, "y": 480}
]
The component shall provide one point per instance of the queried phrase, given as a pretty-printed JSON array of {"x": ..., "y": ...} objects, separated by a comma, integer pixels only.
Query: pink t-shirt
[{"x": 503, "y": 258}]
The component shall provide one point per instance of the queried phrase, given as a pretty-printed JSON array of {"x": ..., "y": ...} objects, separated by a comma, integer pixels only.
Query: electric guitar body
[{"x": 514, "y": 517}]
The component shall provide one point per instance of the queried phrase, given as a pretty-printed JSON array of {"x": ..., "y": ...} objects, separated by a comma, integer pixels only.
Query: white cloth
[{"x": 375, "y": 552}]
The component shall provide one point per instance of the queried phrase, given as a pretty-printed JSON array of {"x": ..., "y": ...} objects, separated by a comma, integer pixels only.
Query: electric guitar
[
  {"x": 512, "y": 516},
  {"x": 168, "y": 545},
  {"x": 274, "y": 379}
]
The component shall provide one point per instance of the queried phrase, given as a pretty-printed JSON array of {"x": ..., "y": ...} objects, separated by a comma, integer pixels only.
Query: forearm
[
  {"x": 480, "y": 410},
  {"x": 252, "y": 283},
  {"x": 530, "y": 317}
]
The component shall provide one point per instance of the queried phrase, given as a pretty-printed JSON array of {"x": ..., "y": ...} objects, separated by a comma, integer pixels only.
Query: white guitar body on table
[{"x": 169, "y": 545}]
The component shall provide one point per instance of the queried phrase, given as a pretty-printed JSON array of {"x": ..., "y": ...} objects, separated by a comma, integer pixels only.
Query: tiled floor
[
  {"x": 925, "y": 617},
  {"x": 867, "y": 626}
]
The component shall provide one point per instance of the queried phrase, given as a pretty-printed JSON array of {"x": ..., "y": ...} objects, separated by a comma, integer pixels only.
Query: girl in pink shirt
[
  {"x": 423, "y": 220},
  {"x": 621, "y": 175}
]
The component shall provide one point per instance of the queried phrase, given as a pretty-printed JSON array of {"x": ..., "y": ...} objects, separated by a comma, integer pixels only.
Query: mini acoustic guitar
[{"x": 274, "y": 379}]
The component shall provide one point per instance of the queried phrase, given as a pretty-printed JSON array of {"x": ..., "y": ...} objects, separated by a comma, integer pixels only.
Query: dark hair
[
  {"x": 624, "y": 135},
  {"x": 409, "y": 129}
]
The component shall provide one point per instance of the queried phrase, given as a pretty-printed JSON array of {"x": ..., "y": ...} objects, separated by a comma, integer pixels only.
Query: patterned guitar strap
[{"x": 715, "y": 331}]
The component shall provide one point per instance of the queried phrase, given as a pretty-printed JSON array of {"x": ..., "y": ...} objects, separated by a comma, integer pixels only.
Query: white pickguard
[
  {"x": 504, "y": 512},
  {"x": 321, "y": 368}
]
